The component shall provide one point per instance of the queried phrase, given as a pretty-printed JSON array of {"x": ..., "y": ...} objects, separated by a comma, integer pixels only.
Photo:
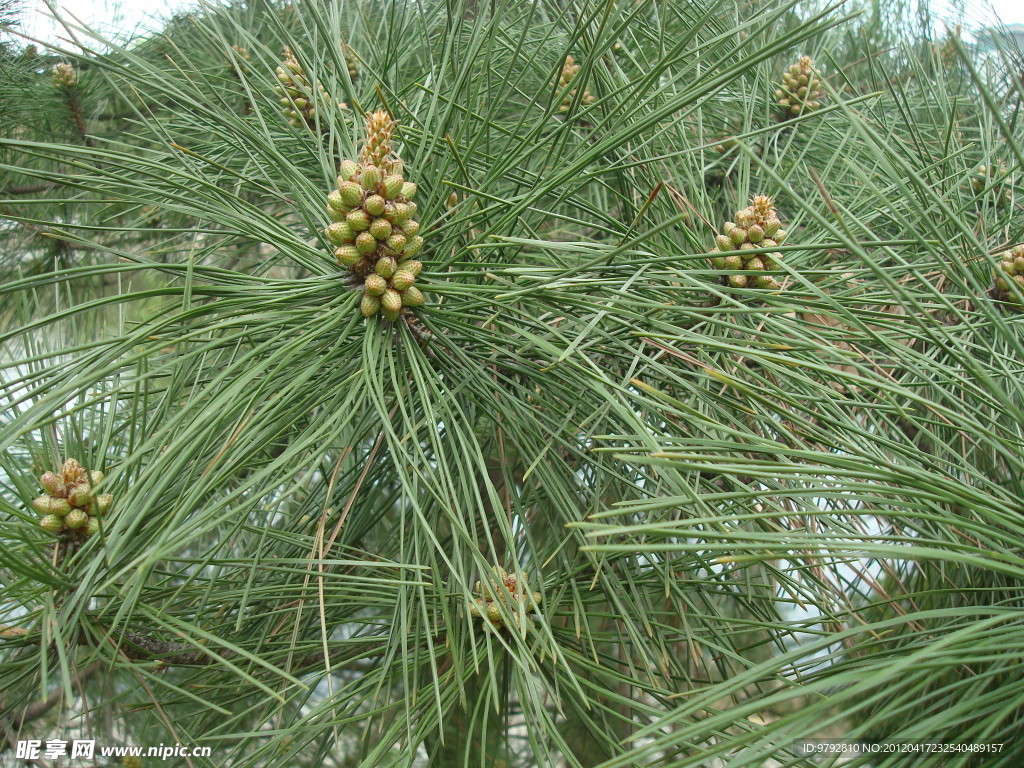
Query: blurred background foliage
[{"x": 754, "y": 517}]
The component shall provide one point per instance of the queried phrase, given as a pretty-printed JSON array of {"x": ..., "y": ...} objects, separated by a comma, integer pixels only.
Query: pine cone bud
[
  {"x": 92, "y": 526},
  {"x": 76, "y": 518},
  {"x": 410, "y": 227},
  {"x": 358, "y": 220},
  {"x": 412, "y": 247},
  {"x": 402, "y": 279},
  {"x": 369, "y": 305},
  {"x": 351, "y": 193},
  {"x": 52, "y": 523},
  {"x": 724, "y": 242},
  {"x": 413, "y": 297},
  {"x": 397, "y": 242},
  {"x": 409, "y": 190},
  {"x": 51, "y": 505},
  {"x": 80, "y": 495},
  {"x": 53, "y": 483},
  {"x": 391, "y": 301},
  {"x": 370, "y": 178},
  {"x": 346, "y": 170},
  {"x": 385, "y": 266},
  {"x": 337, "y": 202},
  {"x": 340, "y": 233},
  {"x": 412, "y": 267},
  {"x": 494, "y": 613},
  {"x": 347, "y": 255},
  {"x": 380, "y": 229},
  {"x": 366, "y": 243},
  {"x": 398, "y": 213},
  {"x": 102, "y": 503},
  {"x": 375, "y": 285},
  {"x": 392, "y": 186},
  {"x": 374, "y": 205}
]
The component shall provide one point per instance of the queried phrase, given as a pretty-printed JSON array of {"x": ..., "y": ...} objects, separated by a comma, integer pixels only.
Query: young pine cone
[
  {"x": 70, "y": 505},
  {"x": 569, "y": 70},
  {"x": 373, "y": 227},
  {"x": 1009, "y": 270},
  {"x": 800, "y": 90},
  {"x": 756, "y": 226}
]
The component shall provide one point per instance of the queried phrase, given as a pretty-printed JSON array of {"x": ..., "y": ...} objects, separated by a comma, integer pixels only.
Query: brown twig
[{"x": 28, "y": 189}]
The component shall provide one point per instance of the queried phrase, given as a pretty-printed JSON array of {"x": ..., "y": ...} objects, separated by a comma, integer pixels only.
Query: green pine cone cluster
[
  {"x": 299, "y": 97},
  {"x": 1010, "y": 269},
  {"x": 507, "y": 589},
  {"x": 64, "y": 75},
  {"x": 373, "y": 227},
  {"x": 70, "y": 505},
  {"x": 756, "y": 226},
  {"x": 569, "y": 70},
  {"x": 800, "y": 90}
]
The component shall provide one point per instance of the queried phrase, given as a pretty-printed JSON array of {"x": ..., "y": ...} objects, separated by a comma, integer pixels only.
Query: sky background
[{"x": 112, "y": 16}]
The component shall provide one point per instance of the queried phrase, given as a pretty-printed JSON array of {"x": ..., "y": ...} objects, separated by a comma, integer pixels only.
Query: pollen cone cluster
[
  {"x": 64, "y": 75},
  {"x": 299, "y": 97},
  {"x": 569, "y": 71},
  {"x": 507, "y": 590},
  {"x": 756, "y": 226},
  {"x": 351, "y": 60},
  {"x": 71, "y": 506},
  {"x": 993, "y": 179},
  {"x": 237, "y": 64},
  {"x": 1010, "y": 270},
  {"x": 801, "y": 89},
  {"x": 374, "y": 230}
]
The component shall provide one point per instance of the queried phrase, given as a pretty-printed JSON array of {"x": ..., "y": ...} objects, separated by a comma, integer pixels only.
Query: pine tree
[{"x": 382, "y": 386}]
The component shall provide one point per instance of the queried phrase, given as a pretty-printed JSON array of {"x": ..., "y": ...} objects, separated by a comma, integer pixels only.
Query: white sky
[{"x": 111, "y": 16}]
